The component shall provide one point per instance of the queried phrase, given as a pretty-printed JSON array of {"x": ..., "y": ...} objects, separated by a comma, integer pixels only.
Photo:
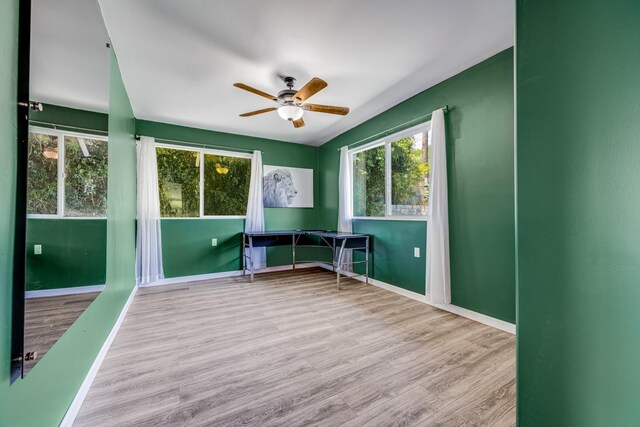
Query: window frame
[
  {"x": 60, "y": 134},
  {"x": 386, "y": 141},
  {"x": 201, "y": 153}
]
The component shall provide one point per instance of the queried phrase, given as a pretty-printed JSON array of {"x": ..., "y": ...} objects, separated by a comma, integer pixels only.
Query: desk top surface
[{"x": 321, "y": 233}]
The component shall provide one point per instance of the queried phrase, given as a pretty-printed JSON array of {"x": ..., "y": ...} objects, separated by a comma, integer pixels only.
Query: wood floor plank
[
  {"x": 490, "y": 403},
  {"x": 403, "y": 377},
  {"x": 311, "y": 392},
  {"x": 290, "y": 349},
  {"x": 330, "y": 412},
  {"x": 449, "y": 384},
  {"x": 406, "y": 409}
]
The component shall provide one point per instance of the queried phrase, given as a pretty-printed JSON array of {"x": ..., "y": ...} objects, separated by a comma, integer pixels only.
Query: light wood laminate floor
[
  {"x": 291, "y": 350},
  {"x": 46, "y": 319}
]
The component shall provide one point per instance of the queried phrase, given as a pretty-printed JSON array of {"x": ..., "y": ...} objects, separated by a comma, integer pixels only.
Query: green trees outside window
[
  {"x": 179, "y": 182},
  {"x": 85, "y": 182},
  {"x": 81, "y": 191},
  {"x": 410, "y": 175},
  {"x": 391, "y": 179},
  {"x": 369, "y": 182},
  {"x": 42, "y": 175},
  {"x": 225, "y": 186}
]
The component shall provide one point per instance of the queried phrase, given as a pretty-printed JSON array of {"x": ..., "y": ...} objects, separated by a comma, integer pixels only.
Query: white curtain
[
  {"x": 255, "y": 210},
  {"x": 438, "y": 271},
  {"x": 345, "y": 200},
  {"x": 148, "y": 239}
]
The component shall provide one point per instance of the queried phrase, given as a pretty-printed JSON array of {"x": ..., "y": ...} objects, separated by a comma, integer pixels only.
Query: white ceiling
[
  {"x": 69, "y": 60},
  {"x": 179, "y": 59}
]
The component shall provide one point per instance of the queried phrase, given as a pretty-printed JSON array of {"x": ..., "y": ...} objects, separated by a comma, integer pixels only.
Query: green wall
[
  {"x": 186, "y": 243},
  {"x": 481, "y": 190},
  {"x": 187, "y": 249},
  {"x": 578, "y": 151},
  {"x": 43, "y": 396},
  {"x": 73, "y": 253},
  {"x": 73, "y": 250},
  {"x": 70, "y": 119},
  {"x": 8, "y": 160},
  {"x": 121, "y": 194},
  {"x": 389, "y": 237}
]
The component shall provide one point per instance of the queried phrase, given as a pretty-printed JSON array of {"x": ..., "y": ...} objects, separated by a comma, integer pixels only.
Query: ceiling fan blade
[
  {"x": 329, "y": 109},
  {"x": 254, "y": 90},
  {"x": 298, "y": 123},
  {"x": 312, "y": 87},
  {"x": 253, "y": 113}
]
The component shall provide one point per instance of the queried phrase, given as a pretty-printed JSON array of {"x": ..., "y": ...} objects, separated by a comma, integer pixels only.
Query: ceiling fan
[{"x": 292, "y": 102}]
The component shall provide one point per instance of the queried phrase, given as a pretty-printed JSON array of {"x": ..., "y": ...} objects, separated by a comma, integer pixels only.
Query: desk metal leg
[
  {"x": 251, "y": 264},
  {"x": 244, "y": 255},
  {"x": 333, "y": 256},
  {"x": 366, "y": 262},
  {"x": 293, "y": 251},
  {"x": 340, "y": 255}
]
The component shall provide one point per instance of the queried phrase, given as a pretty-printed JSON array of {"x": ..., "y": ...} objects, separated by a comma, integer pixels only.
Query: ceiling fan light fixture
[
  {"x": 291, "y": 103},
  {"x": 290, "y": 112}
]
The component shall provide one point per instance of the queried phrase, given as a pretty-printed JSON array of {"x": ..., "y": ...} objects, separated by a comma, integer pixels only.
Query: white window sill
[
  {"x": 205, "y": 217},
  {"x": 64, "y": 217},
  {"x": 391, "y": 218}
]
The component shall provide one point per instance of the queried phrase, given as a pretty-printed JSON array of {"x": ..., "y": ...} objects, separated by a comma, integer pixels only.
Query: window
[
  {"x": 369, "y": 182},
  {"x": 42, "y": 174},
  {"x": 179, "y": 182},
  {"x": 66, "y": 174},
  {"x": 85, "y": 172},
  {"x": 202, "y": 183},
  {"x": 390, "y": 177},
  {"x": 226, "y": 185}
]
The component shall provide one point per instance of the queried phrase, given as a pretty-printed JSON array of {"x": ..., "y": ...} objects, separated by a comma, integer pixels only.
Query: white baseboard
[
  {"x": 232, "y": 273},
  {"x": 469, "y": 314},
  {"x": 63, "y": 291},
  {"x": 478, "y": 317},
  {"x": 74, "y": 408}
]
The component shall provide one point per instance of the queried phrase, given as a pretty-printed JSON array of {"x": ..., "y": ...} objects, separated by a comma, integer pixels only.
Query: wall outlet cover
[
  {"x": 416, "y": 252},
  {"x": 37, "y": 249},
  {"x": 214, "y": 242}
]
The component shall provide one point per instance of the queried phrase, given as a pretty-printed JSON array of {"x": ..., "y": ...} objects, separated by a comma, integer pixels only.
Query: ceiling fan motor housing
[{"x": 285, "y": 97}]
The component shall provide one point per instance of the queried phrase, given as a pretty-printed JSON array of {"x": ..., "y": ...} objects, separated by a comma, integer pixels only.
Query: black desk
[{"x": 338, "y": 242}]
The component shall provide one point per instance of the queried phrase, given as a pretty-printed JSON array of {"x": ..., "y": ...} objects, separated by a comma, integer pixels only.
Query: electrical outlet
[
  {"x": 37, "y": 249},
  {"x": 416, "y": 252},
  {"x": 214, "y": 242}
]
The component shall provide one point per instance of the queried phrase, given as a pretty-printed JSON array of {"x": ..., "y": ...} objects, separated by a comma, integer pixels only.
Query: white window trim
[
  {"x": 387, "y": 141},
  {"x": 202, "y": 152},
  {"x": 392, "y": 218},
  {"x": 205, "y": 150},
  {"x": 41, "y": 216},
  {"x": 61, "y": 134}
]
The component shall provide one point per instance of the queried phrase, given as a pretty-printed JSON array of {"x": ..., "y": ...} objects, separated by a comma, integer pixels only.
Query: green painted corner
[
  {"x": 121, "y": 195},
  {"x": 55, "y": 380},
  {"x": 480, "y": 139}
]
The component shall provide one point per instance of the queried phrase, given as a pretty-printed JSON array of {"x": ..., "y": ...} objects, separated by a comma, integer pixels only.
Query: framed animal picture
[{"x": 287, "y": 187}]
